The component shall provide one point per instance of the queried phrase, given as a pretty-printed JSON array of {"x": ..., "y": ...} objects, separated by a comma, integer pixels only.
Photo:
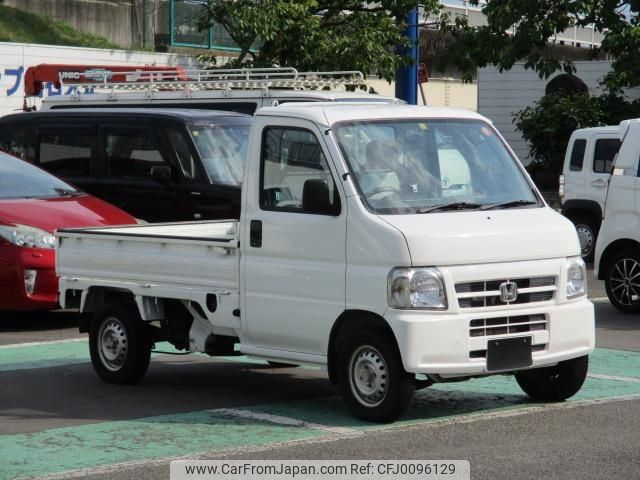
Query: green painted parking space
[
  {"x": 63, "y": 449},
  {"x": 615, "y": 375},
  {"x": 615, "y": 362},
  {"x": 445, "y": 401},
  {"x": 43, "y": 355}
]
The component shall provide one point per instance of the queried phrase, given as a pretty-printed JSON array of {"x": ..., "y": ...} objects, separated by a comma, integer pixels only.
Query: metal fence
[{"x": 184, "y": 32}]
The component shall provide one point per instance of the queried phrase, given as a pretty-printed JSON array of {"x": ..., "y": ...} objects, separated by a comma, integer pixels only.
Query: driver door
[{"x": 294, "y": 260}]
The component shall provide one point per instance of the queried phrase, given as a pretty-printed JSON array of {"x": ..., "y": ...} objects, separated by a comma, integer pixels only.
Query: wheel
[
  {"x": 281, "y": 365},
  {"x": 372, "y": 379},
  {"x": 119, "y": 344},
  {"x": 622, "y": 281},
  {"x": 587, "y": 234},
  {"x": 557, "y": 383}
]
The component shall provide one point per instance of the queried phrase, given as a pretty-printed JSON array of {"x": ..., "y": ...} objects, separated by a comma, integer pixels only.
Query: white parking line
[
  {"x": 50, "y": 342},
  {"x": 600, "y": 299},
  {"x": 280, "y": 420},
  {"x": 615, "y": 377}
]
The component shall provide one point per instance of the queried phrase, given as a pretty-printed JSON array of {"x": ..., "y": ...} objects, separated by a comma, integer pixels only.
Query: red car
[{"x": 34, "y": 203}]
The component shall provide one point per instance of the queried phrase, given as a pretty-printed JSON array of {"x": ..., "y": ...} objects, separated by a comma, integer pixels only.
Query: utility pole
[{"x": 407, "y": 77}]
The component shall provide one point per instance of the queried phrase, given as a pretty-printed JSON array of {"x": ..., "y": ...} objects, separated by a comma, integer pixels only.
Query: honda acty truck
[{"x": 380, "y": 242}]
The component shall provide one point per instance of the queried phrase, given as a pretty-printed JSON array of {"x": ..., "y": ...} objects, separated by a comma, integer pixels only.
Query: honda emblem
[{"x": 508, "y": 292}]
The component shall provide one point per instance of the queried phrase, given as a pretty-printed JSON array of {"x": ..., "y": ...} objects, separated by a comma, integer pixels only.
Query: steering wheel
[{"x": 384, "y": 189}]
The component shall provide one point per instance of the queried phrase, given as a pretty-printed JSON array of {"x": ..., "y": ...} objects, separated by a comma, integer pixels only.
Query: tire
[
  {"x": 622, "y": 281},
  {"x": 587, "y": 231},
  {"x": 119, "y": 344},
  {"x": 554, "y": 384},
  {"x": 372, "y": 380}
]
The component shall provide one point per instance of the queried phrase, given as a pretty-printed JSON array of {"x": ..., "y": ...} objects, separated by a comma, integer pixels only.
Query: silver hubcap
[
  {"x": 368, "y": 376},
  {"x": 585, "y": 236},
  {"x": 113, "y": 344},
  {"x": 625, "y": 281}
]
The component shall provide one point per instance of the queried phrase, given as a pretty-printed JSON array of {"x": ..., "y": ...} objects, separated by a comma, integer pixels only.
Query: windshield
[
  {"x": 423, "y": 166},
  {"x": 19, "y": 179},
  {"x": 223, "y": 150}
]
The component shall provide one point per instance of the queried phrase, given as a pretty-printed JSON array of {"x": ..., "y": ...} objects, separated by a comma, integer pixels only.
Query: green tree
[
  {"x": 523, "y": 31},
  {"x": 547, "y": 126},
  {"x": 519, "y": 30},
  {"x": 317, "y": 34}
]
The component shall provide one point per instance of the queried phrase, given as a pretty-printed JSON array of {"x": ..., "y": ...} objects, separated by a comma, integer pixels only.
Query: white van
[
  {"x": 583, "y": 183},
  {"x": 617, "y": 259},
  {"x": 378, "y": 242}
]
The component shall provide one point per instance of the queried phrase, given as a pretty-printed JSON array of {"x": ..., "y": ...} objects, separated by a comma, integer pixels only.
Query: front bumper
[
  {"x": 441, "y": 344},
  {"x": 13, "y": 263}
]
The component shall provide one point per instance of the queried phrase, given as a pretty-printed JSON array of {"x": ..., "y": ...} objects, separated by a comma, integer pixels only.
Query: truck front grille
[
  {"x": 491, "y": 327},
  {"x": 480, "y": 294}
]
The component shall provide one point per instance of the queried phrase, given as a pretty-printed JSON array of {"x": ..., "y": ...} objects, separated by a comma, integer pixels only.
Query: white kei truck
[{"x": 377, "y": 241}]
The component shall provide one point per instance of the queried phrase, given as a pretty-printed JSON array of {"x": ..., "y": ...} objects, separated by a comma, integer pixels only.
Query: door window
[
  {"x": 577, "y": 155},
  {"x": 604, "y": 153},
  {"x": 183, "y": 153},
  {"x": 291, "y": 157},
  {"x": 13, "y": 140},
  {"x": 133, "y": 154},
  {"x": 66, "y": 154}
]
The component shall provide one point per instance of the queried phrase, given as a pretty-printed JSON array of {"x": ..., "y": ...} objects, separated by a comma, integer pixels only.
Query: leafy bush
[{"x": 548, "y": 124}]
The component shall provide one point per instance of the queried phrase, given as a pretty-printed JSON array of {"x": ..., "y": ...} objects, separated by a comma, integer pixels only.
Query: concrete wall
[
  {"x": 123, "y": 22},
  {"x": 439, "y": 92}
]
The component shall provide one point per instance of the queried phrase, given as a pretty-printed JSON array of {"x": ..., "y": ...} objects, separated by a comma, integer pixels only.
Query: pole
[
  {"x": 144, "y": 23},
  {"x": 407, "y": 77},
  {"x": 424, "y": 97}
]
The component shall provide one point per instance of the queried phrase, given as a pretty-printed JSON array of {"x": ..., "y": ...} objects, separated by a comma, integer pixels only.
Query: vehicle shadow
[
  {"x": 11, "y": 321},
  {"x": 41, "y": 399}
]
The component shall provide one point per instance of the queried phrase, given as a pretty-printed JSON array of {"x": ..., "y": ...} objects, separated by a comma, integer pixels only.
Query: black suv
[{"x": 158, "y": 165}]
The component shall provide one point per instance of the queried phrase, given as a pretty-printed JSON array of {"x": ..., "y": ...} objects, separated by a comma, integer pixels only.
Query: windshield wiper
[
  {"x": 63, "y": 192},
  {"x": 514, "y": 203},
  {"x": 450, "y": 206}
]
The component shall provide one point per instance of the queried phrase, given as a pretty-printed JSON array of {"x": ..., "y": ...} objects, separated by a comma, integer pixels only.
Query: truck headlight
[
  {"x": 28, "y": 237},
  {"x": 416, "y": 288},
  {"x": 576, "y": 278}
]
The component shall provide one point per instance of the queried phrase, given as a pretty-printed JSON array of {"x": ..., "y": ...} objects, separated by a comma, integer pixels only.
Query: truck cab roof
[
  {"x": 328, "y": 113},
  {"x": 597, "y": 130}
]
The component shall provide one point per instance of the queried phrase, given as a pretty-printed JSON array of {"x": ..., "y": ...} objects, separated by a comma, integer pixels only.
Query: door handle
[
  {"x": 255, "y": 233},
  {"x": 599, "y": 183}
]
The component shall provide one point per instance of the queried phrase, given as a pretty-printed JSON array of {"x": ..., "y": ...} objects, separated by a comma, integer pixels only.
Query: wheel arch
[
  {"x": 350, "y": 321},
  {"x": 573, "y": 209},
  {"x": 96, "y": 297},
  {"x": 610, "y": 252}
]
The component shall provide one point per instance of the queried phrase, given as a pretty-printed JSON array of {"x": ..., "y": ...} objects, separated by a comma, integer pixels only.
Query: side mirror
[
  {"x": 315, "y": 197},
  {"x": 162, "y": 174}
]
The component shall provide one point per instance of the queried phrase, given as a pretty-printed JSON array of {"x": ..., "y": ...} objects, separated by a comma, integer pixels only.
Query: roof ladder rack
[{"x": 189, "y": 81}]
